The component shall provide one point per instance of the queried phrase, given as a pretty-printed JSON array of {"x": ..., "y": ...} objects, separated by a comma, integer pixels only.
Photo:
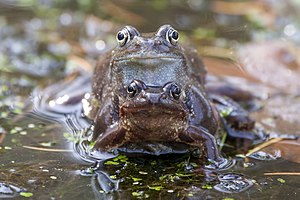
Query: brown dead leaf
[
  {"x": 251, "y": 8},
  {"x": 225, "y": 68},
  {"x": 274, "y": 63},
  {"x": 289, "y": 149},
  {"x": 121, "y": 13}
]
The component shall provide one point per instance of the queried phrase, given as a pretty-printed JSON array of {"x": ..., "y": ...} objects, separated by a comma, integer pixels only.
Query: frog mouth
[
  {"x": 154, "y": 120},
  {"x": 155, "y": 110},
  {"x": 140, "y": 57}
]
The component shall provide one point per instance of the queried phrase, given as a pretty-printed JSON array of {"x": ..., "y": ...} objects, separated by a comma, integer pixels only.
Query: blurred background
[
  {"x": 252, "y": 45},
  {"x": 40, "y": 37}
]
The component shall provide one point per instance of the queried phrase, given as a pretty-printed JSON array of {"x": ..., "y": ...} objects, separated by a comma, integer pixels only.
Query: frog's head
[
  {"x": 154, "y": 108},
  {"x": 154, "y": 58},
  {"x": 131, "y": 44}
]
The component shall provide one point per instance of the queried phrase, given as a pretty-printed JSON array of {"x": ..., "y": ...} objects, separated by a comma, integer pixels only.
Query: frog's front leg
[
  {"x": 198, "y": 136},
  {"x": 111, "y": 138},
  {"x": 107, "y": 132}
]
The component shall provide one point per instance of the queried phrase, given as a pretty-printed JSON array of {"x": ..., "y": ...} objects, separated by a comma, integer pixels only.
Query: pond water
[{"x": 47, "y": 53}]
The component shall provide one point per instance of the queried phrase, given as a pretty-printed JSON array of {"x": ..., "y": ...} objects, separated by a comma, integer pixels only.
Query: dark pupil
[
  {"x": 175, "y": 35},
  {"x": 130, "y": 89},
  {"x": 121, "y": 36},
  {"x": 175, "y": 91}
]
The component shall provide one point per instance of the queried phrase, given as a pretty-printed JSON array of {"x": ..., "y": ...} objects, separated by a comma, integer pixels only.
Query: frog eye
[
  {"x": 123, "y": 37},
  {"x": 132, "y": 89},
  {"x": 172, "y": 36},
  {"x": 135, "y": 87},
  {"x": 126, "y": 34},
  {"x": 175, "y": 91}
]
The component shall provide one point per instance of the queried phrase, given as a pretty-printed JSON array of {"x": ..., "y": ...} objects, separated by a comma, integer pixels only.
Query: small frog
[{"x": 149, "y": 89}]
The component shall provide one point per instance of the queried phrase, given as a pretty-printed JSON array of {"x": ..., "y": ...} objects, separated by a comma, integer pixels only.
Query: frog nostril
[{"x": 157, "y": 42}]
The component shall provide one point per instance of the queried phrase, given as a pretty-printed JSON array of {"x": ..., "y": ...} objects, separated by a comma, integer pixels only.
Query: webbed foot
[{"x": 202, "y": 138}]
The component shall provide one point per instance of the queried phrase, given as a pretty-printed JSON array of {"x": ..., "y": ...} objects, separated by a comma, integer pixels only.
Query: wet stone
[{"x": 232, "y": 183}]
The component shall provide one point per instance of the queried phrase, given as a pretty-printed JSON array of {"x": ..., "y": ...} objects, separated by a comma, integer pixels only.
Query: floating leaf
[
  {"x": 136, "y": 179},
  {"x": 121, "y": 158},
  {"x": 4, "y": 115},
  {"x": 288, "y": 150},
  {"x": 169, "y": 177},
  {"x": 17, "y": 111},
  {"x": 157, "y": 188},
  {"x": 113, "y": 176},
  {"x": 17, "y": 128},
  {"x": 194, "y": 164},
  {"x": 184, "y": 175},
  {"x": 154, "y": 162},
  {"x": 143, "y": 173},
  {"x": 26, "y": 194},
  {"x": 46, "y": 144},
  {"x": 136, "y": 194},
  {"x": 13, "y": 131},
  {"x": 13, "y": 140},
  {"x": 23, "y": 133},
  {"x": 209, "y": 187},
  {"x": 140, "y": 194},
  {"x": 281, "y": 180},
  {"x": 53, "y": 177},
  {"x": 110, "y": 162},
  {"x": 31, "y": 125}
]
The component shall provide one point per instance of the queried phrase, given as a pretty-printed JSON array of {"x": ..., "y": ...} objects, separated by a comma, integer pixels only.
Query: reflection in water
[
  {"x": 232, "y": 183},
  {"x": 116, "y": 174},
  {"x": 115, "y": 171}
]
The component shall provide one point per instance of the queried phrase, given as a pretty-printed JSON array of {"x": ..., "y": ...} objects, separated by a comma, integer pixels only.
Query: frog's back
[
  {"x": 101, "y": 76},
  {"x": 198, "y": 70}
]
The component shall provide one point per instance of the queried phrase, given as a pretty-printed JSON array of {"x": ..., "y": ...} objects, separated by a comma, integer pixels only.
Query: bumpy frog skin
[{"x": 149, "y": 89}]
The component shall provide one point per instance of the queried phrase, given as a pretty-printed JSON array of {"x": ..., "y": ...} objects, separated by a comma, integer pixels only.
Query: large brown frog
[{"x": 149, "y": 89}]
